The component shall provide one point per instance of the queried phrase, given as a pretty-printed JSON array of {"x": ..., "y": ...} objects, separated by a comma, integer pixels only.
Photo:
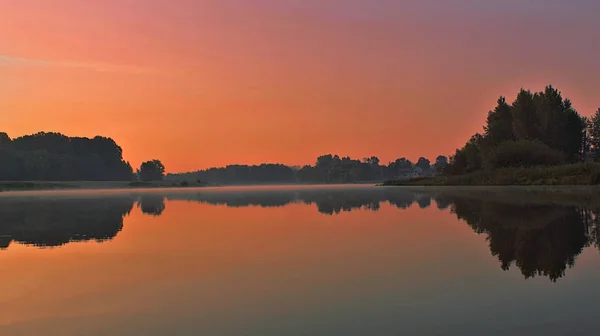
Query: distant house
[{"x": 404, "y": 173}]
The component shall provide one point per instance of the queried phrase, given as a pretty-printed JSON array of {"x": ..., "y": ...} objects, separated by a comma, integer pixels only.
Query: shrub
[{"x": 522, "y": 153}]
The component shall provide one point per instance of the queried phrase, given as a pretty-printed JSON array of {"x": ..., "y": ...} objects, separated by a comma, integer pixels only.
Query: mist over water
[{"x": 296, "y": 260}]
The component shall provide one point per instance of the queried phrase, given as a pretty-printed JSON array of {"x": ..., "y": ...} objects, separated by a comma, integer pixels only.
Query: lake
[{"x": 297, "y": 260}]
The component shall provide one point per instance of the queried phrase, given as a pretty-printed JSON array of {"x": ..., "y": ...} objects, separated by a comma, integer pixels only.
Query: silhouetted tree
[
  {"x": 423, "y": 163},
  {"x": 4, "y": 139},
  {"x": 151, "y": 171},
  {"x": 526, "y": 121},
  {"x": 541, "y": 121},
  {"x": 441, "y": 162},
  {"x": 328, "y": 168},
  {"x": 594, "y": 135},
  {"x": 499, "y": 126},
  {"x": 467, "y": 159},
  {"x": 522, "y": 153},
  {"x": 53, "y": 156}
]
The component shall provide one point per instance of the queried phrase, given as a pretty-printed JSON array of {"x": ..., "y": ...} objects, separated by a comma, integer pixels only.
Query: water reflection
[
  {"x": 328, "y": 201},
  {"x": 50, "y": 222},
  {"x": 540, "y": 239},
  {"x": 152, "y": 205}
]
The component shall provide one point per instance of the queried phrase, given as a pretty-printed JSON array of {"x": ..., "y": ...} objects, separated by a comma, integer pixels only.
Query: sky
[{"x": 201, "y": 83}]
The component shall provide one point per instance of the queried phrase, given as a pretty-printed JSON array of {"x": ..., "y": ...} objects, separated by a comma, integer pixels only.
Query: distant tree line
[
  {"x": 327, "y": 169},
  {"x": 536, "y": 129},
  {"x": 57, "y": 157}
]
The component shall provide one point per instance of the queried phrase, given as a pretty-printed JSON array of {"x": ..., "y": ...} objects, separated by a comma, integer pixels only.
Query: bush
[
  {"x": 522, "y": 153},
  {"x": 184, "y": 183}
]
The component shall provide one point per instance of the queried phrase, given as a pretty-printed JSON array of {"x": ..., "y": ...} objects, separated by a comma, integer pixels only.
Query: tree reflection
[
  {"x": 152, "y": 205},
  {"x": 327, "y": 201},
  {"x": 540, "y": 239},
  {"x": 55, "y": 222}
]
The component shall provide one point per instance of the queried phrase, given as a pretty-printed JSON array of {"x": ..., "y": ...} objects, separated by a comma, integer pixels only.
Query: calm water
[{"x": 295, "y": 261}]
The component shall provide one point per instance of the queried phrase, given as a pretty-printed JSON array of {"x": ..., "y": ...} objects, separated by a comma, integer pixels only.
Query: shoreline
[
  {"x": 6, "y": 186},
  {"x": 584, "y": 174},
  {"x": 414, "y": 185}
]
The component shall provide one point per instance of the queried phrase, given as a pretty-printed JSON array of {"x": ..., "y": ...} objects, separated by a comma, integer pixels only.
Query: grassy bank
[
  {"x": 577, "y": 195},
  {"x": 572, "y": 174},
  {"x": 45, "y": 185},
  {"x": 17, "y": 185}
]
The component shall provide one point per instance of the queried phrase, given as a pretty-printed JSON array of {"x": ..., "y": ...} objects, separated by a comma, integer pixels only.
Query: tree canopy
[
  {"x": 538, "y": 128},
  {"x": 328, "y": 168},
  {"x": 152, "y": 170},
  {"x": 57, "y": 157}
]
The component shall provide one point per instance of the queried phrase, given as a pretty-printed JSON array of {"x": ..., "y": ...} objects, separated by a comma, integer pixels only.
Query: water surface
[{"x": 296, "y": 261}]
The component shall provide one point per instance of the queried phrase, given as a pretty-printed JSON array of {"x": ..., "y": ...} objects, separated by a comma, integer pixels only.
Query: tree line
[
  {"x": 328, "y": 168},
  {"x": 57, "y": 157},
  {"x": 536, "y": 129}
]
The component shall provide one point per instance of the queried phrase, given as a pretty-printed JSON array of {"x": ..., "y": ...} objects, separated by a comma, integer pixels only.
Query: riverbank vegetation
[
  {"x": 56, "y": 157},
  {"x": 30, "y": 161},
  {"x": 326, "y": 169},
  {"x": 538, "y": 139},
  {"x": 567, "y": 174}
]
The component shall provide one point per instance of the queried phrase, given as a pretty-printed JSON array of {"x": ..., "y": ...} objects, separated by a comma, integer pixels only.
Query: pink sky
[{"x": 209, "y": 83}]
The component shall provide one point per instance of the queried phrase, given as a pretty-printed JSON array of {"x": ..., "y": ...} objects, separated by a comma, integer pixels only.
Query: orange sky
[{"x": 207, "y": 83}]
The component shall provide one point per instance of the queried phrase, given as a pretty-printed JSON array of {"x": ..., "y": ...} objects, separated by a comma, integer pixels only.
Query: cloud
[{"x": 15, "y": 61}]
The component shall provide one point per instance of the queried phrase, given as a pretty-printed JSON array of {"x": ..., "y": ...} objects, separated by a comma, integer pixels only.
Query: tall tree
[
  {"x": 526, "y": 122},
  {"x": 4, "y": 139},
  {"x": 594, "y": 135},
  {"x": 499, "y": 126},
  {"x": 441, "y": 162},
  {"x": 423, "y": 163}
]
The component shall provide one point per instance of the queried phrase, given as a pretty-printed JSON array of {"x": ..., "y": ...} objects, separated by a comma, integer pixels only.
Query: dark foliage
[
  {"x": 539, "y": 234},
  {"x": 152, "y": 205},
  {"x": 53, "y": 222},
  {"x": 541, "y": 240},
  {"x": 538, "y": 128},
  {"x": 568, "y": 174},
  {"x": 56, "y": 157},
  {"x": 522, "y": 153},
  {"x": 151, "y": 171},
  {"x": 327, "y": 169}
]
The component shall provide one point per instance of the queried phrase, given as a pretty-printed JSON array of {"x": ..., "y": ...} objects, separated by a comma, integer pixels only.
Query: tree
[
  {"x": 423, "y": 163},
  {"x": 522, "y": 153},
  {"x": 4, "y": 139},
  {"x": 151, "y": 171},
  {"x": 526, "y": 123},
  {"x": 467, "y": 159},
  {"x": 499, "y": 126},
  {"x": 594, "y": 135},
  {"x": 403, "y": 163},
  {"x": 373, "y": 160},
  {"x": 541, "y": 121},
  {"x": 441, "y": 162},
  {"x": 57, "y": 157}
]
